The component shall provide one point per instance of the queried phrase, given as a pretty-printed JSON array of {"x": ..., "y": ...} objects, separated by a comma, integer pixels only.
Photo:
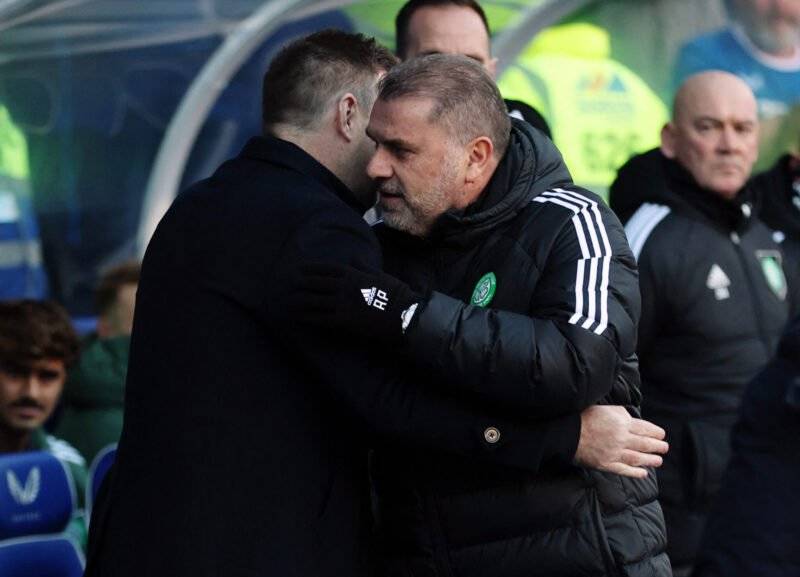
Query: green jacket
[
  {"x": 76, "y": 464},
  {"x": 94, "y": 396}
]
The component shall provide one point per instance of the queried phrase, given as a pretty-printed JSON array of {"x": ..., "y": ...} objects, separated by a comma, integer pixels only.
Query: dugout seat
[
  {"x": 37, "y": 501},
  {"x": 97, "y": 472}
]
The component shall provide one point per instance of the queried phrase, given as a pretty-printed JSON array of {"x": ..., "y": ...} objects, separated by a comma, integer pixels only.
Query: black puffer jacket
[
  {"x": 714, "y": 304},
  {"x": 560, "y": 337}
]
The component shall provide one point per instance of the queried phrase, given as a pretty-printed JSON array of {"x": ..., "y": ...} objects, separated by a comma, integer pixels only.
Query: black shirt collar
[
  {"x": 287, "y": 154},
  {"x": 728, "y": 214}
]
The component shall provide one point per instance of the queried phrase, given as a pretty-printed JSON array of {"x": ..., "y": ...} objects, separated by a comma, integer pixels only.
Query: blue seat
[
  {"x": 37, "y": 500},
  {"x": 41, "y": 556},
  {"x": 84, "y": 325},
  {"x": 97, "y": 472}
]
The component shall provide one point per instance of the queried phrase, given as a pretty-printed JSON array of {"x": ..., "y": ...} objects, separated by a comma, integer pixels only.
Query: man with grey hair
[
  {"x": 455, "y": 113},
  {"x": 482, "y": 208}
]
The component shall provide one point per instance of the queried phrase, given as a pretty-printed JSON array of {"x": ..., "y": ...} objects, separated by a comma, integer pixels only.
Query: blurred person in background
[
  {"x": 37, "y": 346},
  {"x": 95, "y": 389},
  {"x": 454, "y": 27},
  {"x": 715, "y": 298},
  {"x": 600, "y": 110},
  {"x": 754, "y": 527},
  {"x": 115, "y": 300},
  {"x": 777, "y": 193},
  {"x": 22, "y": 272},
  {"x": 762, "y": 47}
]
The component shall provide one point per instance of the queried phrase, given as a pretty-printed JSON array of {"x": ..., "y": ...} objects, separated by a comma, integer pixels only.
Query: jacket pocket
[
  {"x": 707, "y": 452},
  {"x": 604, "y": 552}
]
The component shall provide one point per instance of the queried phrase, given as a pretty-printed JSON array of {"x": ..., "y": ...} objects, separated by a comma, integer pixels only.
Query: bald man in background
[{"x": 715, "y": 298}]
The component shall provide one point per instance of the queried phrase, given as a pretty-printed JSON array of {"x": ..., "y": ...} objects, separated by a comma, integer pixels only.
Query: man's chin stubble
[{"x": 398, "y": 222}]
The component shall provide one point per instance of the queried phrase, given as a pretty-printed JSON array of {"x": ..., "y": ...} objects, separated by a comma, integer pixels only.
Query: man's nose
[
  {"x": 730, "y": 140},
  {"x": 379, "y": 165},
  {"x": 32, "y": 385}
]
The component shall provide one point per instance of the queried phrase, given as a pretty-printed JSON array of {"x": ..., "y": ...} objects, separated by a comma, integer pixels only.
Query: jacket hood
[
  {"x": 653, "y": 178},
  {"x": 640, "y": 180},
  {"x": 531, "y": 165}
]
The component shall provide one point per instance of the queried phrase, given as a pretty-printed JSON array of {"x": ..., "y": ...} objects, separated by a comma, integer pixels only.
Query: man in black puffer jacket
[
  {"x": 495, "y": 221},
  {"x": 715, "y": 299},
  {"x": 531, "y": 243}
]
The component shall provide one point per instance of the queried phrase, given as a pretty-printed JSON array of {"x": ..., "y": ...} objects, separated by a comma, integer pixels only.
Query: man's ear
[
  {"x": 668, "y": 140},
  {"x": 479, "y": 160},
  {"x": 346, "y": 116}
]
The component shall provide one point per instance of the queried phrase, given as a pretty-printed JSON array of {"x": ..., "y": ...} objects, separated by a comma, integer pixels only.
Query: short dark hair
[
  {"x": 113, "y": 279},
  {"x": 34, "y": 330},
  {"x": 466, "y": 99},
  {"x": 403, "y": 19},
  {"x": 305, "y": 75}
]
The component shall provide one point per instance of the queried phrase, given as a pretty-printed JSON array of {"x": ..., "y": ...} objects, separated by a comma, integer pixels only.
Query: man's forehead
[
  {"x": 398, "y": 116},
  {"x": 720, "y": 109},
  {"x": 716, "y": 95},
  {"x": 448, "y": 30},
  {"x": 33, "y": 364}
]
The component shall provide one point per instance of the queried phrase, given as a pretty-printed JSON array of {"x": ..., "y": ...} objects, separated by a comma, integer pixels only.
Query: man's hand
[
  {"x": 613, "y": 441},
  {"x": 343, "y": 298}
]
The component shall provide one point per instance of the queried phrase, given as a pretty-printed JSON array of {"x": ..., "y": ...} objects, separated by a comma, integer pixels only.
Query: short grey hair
[{"x": 466, "y": 101}]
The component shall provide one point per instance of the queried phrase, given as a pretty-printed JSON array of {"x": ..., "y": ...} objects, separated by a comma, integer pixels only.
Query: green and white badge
[
  {"x": 773, "y": 271},
  {"x": 484, "y": 290}
]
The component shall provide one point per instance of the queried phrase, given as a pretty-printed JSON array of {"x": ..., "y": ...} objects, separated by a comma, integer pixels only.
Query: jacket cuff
[
  {"x": 432, "y": 318},
  {"x": 530, "y": 444},
  {"x": 563, "y": 434}
]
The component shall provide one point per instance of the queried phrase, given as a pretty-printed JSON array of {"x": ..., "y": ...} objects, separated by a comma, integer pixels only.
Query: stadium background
[{"x": 122, "y": 103}]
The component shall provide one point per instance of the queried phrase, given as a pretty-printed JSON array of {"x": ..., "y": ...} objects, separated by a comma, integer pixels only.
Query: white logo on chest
[{"x": 718, "y": 282}]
